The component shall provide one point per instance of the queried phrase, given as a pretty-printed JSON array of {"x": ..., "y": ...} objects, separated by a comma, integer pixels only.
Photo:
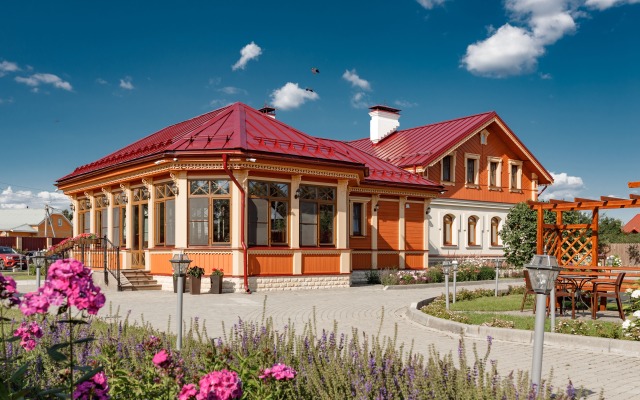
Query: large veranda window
[
  {"x": 268, "y": 212},
  {"x": 84, "y": 215},
  {"x": 101, "y": 222},
  {"x": 317, "y": 212},
  {"x": 165, "y": 214},
  {"x": 209, "y": 212},
  {"x": 119, "y": 223}
]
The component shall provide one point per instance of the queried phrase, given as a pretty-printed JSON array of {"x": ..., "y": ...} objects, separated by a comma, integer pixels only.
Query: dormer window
[
  {"x": 515, "y": 176},
  {"x": 448, "y": 169},
  {"x": 483, "y": 136},
  {"x": 472, "y": 162}
]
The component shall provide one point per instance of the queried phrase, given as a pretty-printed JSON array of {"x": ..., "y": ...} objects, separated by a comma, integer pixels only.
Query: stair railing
[{"x": 111, "y": 260}]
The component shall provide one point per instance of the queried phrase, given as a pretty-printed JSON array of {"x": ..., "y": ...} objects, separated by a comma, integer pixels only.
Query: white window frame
[
  {"x": 499, "y": 241},
  {"x": 483, "y": 136},
  {"x": 453, "y": 169},
  {"x": 476, "y": 177},
  {"x": 498, "y": 172},
  {"x": 477, "y": 242},
  {"x": 518, "y": 164}
]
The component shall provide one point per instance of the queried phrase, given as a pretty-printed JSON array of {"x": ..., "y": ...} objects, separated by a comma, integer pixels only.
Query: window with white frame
[
  {"x": 102, "y": 203},
  {"x": 472, "y": 163},
  {"x": 494, "y": 172},
  {"x": 84, "y": 208},
  {"x": 448, "y": 164},
  {"x": 59, "y": 221},
  {"x": 447, "y": 230},
  {"x": 472, "y": 232},
  {"x": 119, "y": 221},
  {"x": 483, "y": 136},
  {"x": 495, "y": 224},
  {"x": 515, "y": 175}
]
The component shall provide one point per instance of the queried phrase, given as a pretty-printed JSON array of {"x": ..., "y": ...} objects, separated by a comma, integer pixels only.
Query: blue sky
[{"x": 81, "y": 79}]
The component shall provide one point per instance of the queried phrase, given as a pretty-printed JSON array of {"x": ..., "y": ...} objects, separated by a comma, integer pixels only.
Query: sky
[{"x": 79, "y": 79}]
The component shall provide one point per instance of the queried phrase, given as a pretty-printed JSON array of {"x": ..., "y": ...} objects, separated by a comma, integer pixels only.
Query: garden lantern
[
  {"x": 39, "y": 260},
  {"x": 179, "y": 263},
  {"x": 454, "y": 265},
  {"x": 497, "y": 275},
  {"x": 446, "y": 268},
  {"x": 543, "y": 271}
]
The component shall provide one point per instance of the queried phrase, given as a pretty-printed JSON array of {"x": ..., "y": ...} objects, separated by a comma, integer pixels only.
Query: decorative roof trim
[
  {"x": 392, "y": 192},
  {"x": 463, "y": 141}
]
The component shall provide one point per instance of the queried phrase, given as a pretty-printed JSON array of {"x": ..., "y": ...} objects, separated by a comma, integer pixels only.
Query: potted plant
[
  {"x": 195, "y": 274},
  {"x": 216, "y": 281}
]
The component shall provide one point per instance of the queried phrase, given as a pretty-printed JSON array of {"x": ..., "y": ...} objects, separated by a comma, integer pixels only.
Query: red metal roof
[
  {"x": 632, "y": 226},
  {"x": 240, "y": 127},
  {"x": 420, "y": 146}
]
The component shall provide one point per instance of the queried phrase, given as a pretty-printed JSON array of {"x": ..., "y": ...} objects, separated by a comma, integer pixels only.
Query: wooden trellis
[{"x": 576, "y": 244}]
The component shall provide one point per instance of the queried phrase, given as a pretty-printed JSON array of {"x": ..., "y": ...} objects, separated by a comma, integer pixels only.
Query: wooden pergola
[{"x": 572, "y": 243}]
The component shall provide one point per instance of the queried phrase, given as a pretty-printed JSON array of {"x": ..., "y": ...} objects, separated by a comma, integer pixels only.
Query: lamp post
[
  {"x": 39, "y": 259},
  {"x": 543, "y": 271},
  {"x": 497, "y": 274},
  {"x": 454, "y": 263},
  {"x": 446, "y": 268},
  {"x": 179, "y": 263}
]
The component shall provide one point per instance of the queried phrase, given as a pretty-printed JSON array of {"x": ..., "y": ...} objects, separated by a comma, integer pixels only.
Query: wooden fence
[{"x": 622, "y": 251}]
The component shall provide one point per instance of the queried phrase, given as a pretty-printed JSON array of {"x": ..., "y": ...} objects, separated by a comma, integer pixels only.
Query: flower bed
[
  {"x": 69, "y": 243},
  {"x": 75, "y": 355}
]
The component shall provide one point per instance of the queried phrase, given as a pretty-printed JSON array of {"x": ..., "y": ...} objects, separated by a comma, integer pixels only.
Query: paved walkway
[{"x": 362, "y": 308}]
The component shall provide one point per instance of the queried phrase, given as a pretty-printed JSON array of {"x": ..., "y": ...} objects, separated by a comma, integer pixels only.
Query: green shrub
[
  {"x": 435, "y": 274},
  {"x": 486, "y": 273},
  {"x": 389, "y": 277},
  {"x": 373, "y": 277}
]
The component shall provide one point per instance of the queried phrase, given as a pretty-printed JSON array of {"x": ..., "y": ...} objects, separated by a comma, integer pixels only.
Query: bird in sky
[
  {"x": 315, "y": 70},
  {"x": 308, "y": 89}
]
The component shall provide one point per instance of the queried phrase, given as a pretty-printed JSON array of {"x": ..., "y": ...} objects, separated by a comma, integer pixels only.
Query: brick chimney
[{"x": 384, "y": 121}]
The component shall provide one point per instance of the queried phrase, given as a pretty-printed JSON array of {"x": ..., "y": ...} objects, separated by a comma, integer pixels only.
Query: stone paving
[{"x": 362, "y": 308}]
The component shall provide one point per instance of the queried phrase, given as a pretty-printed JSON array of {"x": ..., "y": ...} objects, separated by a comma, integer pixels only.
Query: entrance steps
[{"x": 138, "y": 279}]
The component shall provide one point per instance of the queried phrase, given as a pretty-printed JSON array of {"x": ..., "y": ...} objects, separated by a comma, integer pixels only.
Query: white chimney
[{"x": 384, "y": 121}]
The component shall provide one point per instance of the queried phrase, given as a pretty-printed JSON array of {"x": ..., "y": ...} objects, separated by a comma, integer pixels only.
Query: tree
[
  {"x": 68, "y": 214},
  {"x": 519, "y": 235},
  {"x": 610, "y": 230}
]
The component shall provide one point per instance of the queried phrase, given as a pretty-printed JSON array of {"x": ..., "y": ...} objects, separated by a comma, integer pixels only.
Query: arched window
[
  {"x": 471, "y": 231},
  {"x": 495, "y": 223},
  {"x": 447, "y": 231}
]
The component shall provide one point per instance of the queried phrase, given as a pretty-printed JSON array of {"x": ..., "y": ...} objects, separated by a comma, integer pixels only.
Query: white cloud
[
  {"x": 355, "y": 80},
  {"x": 6, "y": 101},
  {"x": 405, "y": 103},
  {"x": 36, "y": 80},
  {"x": 7, "y": 66},
  {"x": 514, "y": 50},
  {"x": 127, "y": 83},
  {"x": 219, "y": 103},
  {"x": 604, "y": 4},
  {"x": 429, "y": 4},
  {"x": 101, "y": 81},
  {"x": 545, "y": 76},
  {"x": 29, "y": 199},
  {"x": 248, "y": 52},
  {"x": 291, "y": 96},
  {"x": 232, "y": 90},
  {"x": 564, "y": 187},
  {"x": 360, "y": 100}
]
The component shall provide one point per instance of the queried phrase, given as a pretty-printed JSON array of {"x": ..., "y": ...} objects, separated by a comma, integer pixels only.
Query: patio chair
[
  {"x": 527, "y": 291},
  {"x": 604, "y": 290},
  {"x": 563, "y": 290}
]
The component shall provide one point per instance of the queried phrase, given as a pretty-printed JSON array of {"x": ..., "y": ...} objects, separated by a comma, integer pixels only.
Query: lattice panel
[{"x": 572, "y": 247}]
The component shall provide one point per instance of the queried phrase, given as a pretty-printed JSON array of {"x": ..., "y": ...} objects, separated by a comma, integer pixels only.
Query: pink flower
[
  {"x": 220, "y": 385},
  {"x": 27, "y": 333},
  {"x": 8, "y": 293},
  {"x": 279, "y": 371},
  {"x": 188, "y": 392},
  {"x": 95, "y": 388},
  {"x": 162, "y": 359}
]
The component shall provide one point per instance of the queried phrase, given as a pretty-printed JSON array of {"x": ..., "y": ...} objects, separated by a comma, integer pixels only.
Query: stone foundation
[{"x": 269, "y": 283}]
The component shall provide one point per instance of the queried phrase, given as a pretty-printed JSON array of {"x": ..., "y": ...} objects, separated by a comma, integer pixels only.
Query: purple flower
[{"x": 95, "y": 388}]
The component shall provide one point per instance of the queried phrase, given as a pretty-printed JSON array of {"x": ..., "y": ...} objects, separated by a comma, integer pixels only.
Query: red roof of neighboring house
[
  {"x": 426, "y": 144},
  {"x": 240, "y": 127},
  {"x": 632, "y": 226}
]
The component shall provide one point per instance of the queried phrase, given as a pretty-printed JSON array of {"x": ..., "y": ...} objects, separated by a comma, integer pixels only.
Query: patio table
[{"x": 577, "y": 282}]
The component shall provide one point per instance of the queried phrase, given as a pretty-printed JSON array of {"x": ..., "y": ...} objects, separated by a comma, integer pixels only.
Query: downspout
[{"x": 242, "y": 220}]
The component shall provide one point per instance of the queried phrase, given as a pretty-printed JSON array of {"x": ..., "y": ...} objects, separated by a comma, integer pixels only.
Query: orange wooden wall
[
  {"x": 414, "y": 261},
  {"x": 360, "y": 261},
  {"x": 320, "y": 263},
  {"x": 388, "y": 261},
  {"x": 495, "y": 147},
  {"x": 358, "y": 242},
  {"x": 414, "y": 226},
  {"x": 388, "y": 214},
  {"x": 270, "y": 264}
]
